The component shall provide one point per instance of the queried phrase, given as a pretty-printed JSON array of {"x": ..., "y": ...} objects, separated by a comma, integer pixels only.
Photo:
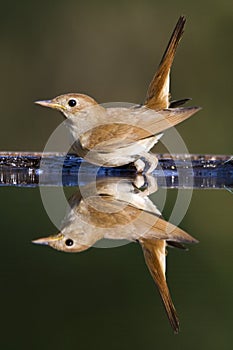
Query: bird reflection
[{"x": 120, "y": 209}]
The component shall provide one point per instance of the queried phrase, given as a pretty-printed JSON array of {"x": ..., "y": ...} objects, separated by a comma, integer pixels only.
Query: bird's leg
[
  {"x": 145, "y": 184},
  {"x": 140, "y": 183},
  {"x": 146, "y": 163}
]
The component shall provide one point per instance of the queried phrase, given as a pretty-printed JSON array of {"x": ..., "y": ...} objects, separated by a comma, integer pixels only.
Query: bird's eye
[
  {"x": 69, "y": 242},
  {"x": 72, "y": 102}
]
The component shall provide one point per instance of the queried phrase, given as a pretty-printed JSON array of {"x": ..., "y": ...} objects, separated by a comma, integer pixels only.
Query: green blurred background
[{"x": 105, "y": 298}]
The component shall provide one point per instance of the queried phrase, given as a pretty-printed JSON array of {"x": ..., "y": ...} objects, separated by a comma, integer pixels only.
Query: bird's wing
[
  {"x": 173, "y": 233},
  {"x": 165, "y": 119},
  {"x": 155, "y": 227},
  {"x": 158, "y": 92},
  {"x": 155, "y": 257},
  {"x": 112, "y": 135},
  {"x": 128, "y": 126}
]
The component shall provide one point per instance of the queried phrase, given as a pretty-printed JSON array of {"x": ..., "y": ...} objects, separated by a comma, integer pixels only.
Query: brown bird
[
  {"x": 115, "y": 209},
  {"x": 116, "y": 136}
]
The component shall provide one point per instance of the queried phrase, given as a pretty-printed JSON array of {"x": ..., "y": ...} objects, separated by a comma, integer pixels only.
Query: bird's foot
[
  {"x": 145, "y": 184},
  {"x": 146, "y": 163}
]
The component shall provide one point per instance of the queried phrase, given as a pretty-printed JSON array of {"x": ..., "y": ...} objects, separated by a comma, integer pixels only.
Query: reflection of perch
[
  {"x": 176, "y": 171},
  {"x": 115, "y": 209}
]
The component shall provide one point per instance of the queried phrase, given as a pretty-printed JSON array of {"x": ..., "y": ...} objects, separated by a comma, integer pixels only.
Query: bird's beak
[
  {"x": 50, "y": 104},
  {"x": 48, "y": 240}
]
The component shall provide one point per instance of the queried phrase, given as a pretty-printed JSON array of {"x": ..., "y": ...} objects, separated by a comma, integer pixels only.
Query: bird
[
  {"x": 120, "y": 209},
  {"x": 118, "y": 135}
]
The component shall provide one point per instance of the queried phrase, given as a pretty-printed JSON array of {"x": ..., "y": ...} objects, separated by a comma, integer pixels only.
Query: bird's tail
[
  {"x": 158, "y": 92},
  {"x": 155, "y": 255}
]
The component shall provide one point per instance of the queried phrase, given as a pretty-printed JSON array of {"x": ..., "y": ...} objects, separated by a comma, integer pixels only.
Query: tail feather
[
  {"x": 178, "y": 103},
  {"x": 155, "y": 255},
  {"x": 158, "y": 92}
]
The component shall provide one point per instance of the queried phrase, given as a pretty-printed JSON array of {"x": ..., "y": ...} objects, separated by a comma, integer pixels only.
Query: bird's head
[
  {"x": 62, "y": 242},
  {"x": 69, "y": 104}
]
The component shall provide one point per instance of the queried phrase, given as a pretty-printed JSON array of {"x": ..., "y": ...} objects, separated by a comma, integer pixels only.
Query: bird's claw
[{"x": 146, "y": 163}]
